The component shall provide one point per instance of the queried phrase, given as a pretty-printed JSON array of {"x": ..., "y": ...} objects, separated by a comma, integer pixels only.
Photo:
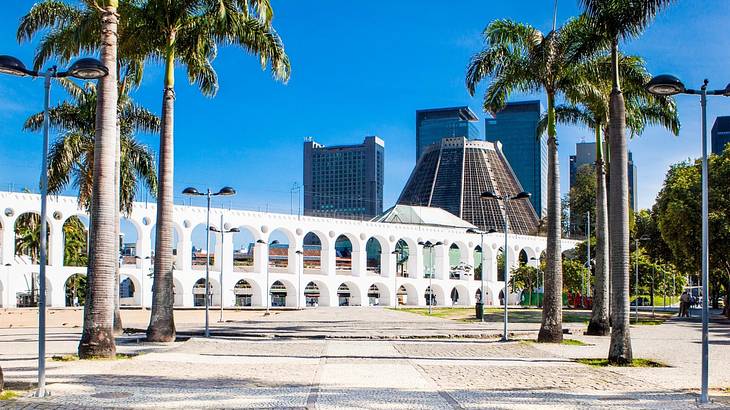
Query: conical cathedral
[{"x": 451, "y": 175}]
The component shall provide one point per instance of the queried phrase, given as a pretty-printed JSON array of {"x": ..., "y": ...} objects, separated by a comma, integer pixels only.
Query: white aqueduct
[{"x": 328, "y": 283}]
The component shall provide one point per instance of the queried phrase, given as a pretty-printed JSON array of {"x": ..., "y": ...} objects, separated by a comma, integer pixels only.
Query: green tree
[
  {"x": 582, "y": 199},
  {"x": 617, "y": 20},
  {"x": 75, "y": 252},
  {"x": 524, "y": 278},
  {"x": 679, "y": 210},
  {"x": 28, "y": 237},
  {"x": 519, "y": 58},
  {"x": 574, "y": 275}
]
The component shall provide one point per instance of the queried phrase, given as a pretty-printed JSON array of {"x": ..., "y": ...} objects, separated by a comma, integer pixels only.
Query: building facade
[
  {"x": 293, "y": 273},
  {"x": 434, "y": 124},
  {"x": 452, "y": 175},
  {"x": 515, "y": 126},
  {"x": 720, "y": 134},
  {"x": 344, "y": 181},
  {"x": 585, "y": 154}
]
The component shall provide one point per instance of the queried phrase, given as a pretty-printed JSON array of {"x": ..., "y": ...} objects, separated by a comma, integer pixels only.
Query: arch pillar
[
  {"x": 7, "y": 250},
  {"x": 328, "y": 261},
  {"x": 441, "y": 261},
  {"x": 55, "y": 245},
  {"x": 260, "y": 258},
  {"x": 359, "y": 261}
]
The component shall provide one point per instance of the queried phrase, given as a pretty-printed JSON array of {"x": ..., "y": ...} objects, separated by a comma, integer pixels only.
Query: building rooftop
[
  {"x": 422, "y": 215},
  {"x": 465, "y": 113}
]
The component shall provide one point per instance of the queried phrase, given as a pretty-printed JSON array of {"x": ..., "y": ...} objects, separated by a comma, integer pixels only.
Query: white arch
[{"x": 383, "y": 298}]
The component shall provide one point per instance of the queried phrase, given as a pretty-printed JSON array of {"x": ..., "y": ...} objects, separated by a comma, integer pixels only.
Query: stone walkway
[{"x": 241, "y": 372}]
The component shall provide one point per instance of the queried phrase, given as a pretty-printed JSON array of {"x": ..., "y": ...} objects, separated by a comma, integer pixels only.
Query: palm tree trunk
[
  {"x": 599, "y": 324},
  {"x": 162, "y": 323},
  {"x": 551, "y": 329},
  {"x": 97, "y": 339},
  {"x": 118, "y": 327},
  {"x": 620, "y": 348}
]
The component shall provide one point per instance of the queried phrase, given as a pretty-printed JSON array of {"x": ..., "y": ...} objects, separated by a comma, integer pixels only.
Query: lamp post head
[
  {"x": 488, "y": 195},
  {"x": 726, "y": 91},
  {"x": 13, "y": 66},
  {"x": 226, "y": 191},
  {"x": 260, "y": 241},
  {"x": 522, "y": 195},
  {"x": 87, "y": 69},
  {"x": 665, "y": 85},
  {"x": 234, "y": 230},
  {"x": 214, "y": 229},
  {"x": 190, "y": 191}
]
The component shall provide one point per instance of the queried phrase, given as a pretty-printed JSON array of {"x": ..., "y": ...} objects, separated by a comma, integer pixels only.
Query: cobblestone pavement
[{"x": 372, "y": 374}]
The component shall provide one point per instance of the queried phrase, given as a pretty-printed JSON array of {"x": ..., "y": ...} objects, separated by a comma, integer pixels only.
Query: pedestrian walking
[{"x": 684, "y": 302}]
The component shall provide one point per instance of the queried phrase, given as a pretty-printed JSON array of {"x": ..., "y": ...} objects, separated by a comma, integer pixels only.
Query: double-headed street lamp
[
  {"x": 481, "y": 246},
  {"x": 223, "y": 233},
  {"x": 505, "y": 200},
  {"x": 430, "y": 246},
  {"x": 667, "y": 85},
  {"x": 636, "y": 279},
  {"x": 83, "y": 69},
  {"x": 300, "y": 295},
  {"x": 395, "y": 277},
  {"x": 225, "y": 191},
  {"x": 268, "y": 290}
]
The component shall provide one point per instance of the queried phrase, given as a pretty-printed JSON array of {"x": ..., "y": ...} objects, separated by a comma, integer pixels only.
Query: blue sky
[{"x": 363, "y": 68}]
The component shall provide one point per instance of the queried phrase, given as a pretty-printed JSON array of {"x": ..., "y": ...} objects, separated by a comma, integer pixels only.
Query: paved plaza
[{"x": 364, "y": 358}]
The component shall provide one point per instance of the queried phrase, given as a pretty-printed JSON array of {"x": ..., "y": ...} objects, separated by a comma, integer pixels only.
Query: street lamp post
[
  {"x": 225, "y": 191},
  {"x": 83, "y": 69},
  {"x": 481, "y": 246},
  {"x": 395, "y": 277},
  {"x": 430, "y": 246},
  {"x": 266, "y": 263},
  {"x": 636, "y": 280},
  {"x": 505, "y": 200},
  {"x": 301, "y": 273},
  {"x": 223, "y": 236},
  {"x": 666, "y": 85},
  {"x": 539, "y": 273}
]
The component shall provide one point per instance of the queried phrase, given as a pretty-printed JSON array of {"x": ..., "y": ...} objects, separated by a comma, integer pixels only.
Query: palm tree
[
  {"x": 71, "y": 157},
  {"x": 589, "y": 106},
  {"x": 619, "y": 20},
  {"x": 100, "y": 34},
  {"x": 188, "y": 33},
  {"x": 28, "y": 236},
  {"x": 519, "y": 58}
]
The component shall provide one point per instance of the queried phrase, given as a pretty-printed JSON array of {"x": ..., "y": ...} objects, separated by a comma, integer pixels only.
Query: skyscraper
[
  {"x": 344, "y": 181},
  {"x": 452, "y": 175},
  {"x": 515, "y": 127},
  {"x": 434, "y": 124},
  {"x": 720, "y": 134},
  {"x": 585, "y": 154}
]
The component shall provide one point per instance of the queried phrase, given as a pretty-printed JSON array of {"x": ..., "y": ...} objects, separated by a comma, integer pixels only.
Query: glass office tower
[
  {"x": 585, "y": 155},
  {"x": 516, "y": 128},
  {"x": 720, "y": 134},
  {"x": 434, "y": 124},
  {"x": 344, "y": 181}
]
